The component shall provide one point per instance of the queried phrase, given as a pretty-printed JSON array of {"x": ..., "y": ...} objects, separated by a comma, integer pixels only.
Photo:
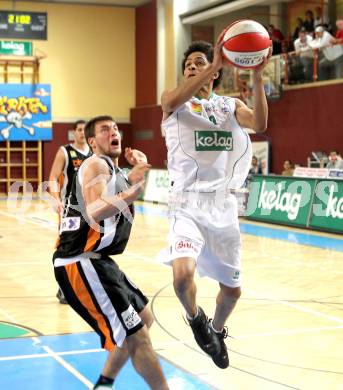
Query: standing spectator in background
[
  {"x": 335, "y": 160},
  {"x": 277, "y": 37},
  {"x": 331, "y": 64},
  {"x": 305, "y": 53},
  {"x": 300, "y": 25},
  {"x": 288, "y": 168},
  {"x": 309, "y": 21}
]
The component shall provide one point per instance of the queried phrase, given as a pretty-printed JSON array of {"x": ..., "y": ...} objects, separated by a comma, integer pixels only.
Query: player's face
[
  {"x": 195, "y": 63},
  {"x": 107, "y": 140},
  {"x": 79, "y": 134}
]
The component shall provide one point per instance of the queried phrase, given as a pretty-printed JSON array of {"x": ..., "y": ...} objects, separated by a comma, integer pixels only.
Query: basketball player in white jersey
[
  {"x": 67, "y": 161},
  {"x": 209, "y": 153}
]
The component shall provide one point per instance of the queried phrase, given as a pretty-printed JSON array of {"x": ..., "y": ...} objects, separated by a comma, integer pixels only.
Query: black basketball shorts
[{"x": 104, "y": 297}]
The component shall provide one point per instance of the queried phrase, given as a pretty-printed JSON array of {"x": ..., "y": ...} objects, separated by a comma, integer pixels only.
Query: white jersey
[{"x": 207, "y": 149}]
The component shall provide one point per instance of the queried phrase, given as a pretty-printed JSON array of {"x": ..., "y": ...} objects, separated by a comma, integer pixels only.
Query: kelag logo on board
[
  {"x": 303, "y": 202},
  {"x": 280, "y": 200},
  {"x": 25, "y": 112}
]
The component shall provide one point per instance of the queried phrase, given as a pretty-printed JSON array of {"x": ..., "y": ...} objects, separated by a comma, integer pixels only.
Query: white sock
[
  {"x": 215, "y": 330},
  {"x": 190, "y": 317}
]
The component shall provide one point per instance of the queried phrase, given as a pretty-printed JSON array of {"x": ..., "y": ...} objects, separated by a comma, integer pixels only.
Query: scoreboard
[{"x": 23, "y": 25}]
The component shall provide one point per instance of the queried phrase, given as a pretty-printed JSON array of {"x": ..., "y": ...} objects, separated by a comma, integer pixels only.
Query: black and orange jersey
[
  {"x": 73, "y": 159},
  {"x": 78, "y": 234}
]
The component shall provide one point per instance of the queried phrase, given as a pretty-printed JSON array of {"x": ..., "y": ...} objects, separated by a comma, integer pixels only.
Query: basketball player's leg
[
  {"x": 135, "y": 317},
  {"x": 185, "y": 243},
  {"x": 145, "y": 360},
  {"x": 184, "y": 285},
  {"x": 225, "y": 303},
  {"x": 222, "y": 263},
  {"x": 119, "y": 356},
  {"x": 185, "y": 289}
]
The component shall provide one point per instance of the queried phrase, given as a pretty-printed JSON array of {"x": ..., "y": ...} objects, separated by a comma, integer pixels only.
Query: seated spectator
[
  {"x": 255, "y": 167},
  {"x": 320, "y": 18},
  {"x": 309, "y": 21},
  {"x": 305, "y": 53},
  {"x": 331, "y": 63},
  {"x": 335, "y": 160},
  {"x": 277, "y": 37},
  {"x": 288, "y": 168},
  {"x": 300, "y": 25}
]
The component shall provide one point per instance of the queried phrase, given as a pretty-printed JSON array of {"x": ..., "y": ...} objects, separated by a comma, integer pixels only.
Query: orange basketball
[{"x": 246, "y": 43}]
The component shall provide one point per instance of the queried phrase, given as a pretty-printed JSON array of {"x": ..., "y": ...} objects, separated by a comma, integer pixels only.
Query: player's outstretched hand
[
  {"x": 138, "y": 172},
  {"x": 134, "y": 156}
]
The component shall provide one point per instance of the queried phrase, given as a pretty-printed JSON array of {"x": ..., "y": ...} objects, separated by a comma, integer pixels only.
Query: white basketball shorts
[{"x": 210, "y": 235}]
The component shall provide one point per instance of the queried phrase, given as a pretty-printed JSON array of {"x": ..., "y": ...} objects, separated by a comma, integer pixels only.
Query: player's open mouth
[{"x": 115, "y": 142}]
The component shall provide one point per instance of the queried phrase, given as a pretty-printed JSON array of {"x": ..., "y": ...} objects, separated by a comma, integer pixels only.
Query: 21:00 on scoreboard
[{"x": 24, "y": 25}]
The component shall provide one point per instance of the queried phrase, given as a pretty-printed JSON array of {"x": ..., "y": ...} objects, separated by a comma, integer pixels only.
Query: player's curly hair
[{"x": 207, "y": 49}]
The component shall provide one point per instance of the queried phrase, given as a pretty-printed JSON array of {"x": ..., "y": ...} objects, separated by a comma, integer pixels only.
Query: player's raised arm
[{"x": 256, "y": 118}]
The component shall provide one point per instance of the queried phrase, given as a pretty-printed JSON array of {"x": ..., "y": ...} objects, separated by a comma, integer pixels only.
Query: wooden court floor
[{"x": 287, "y": 329}]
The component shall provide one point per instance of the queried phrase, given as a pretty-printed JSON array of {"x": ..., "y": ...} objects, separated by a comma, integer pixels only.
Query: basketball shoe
[
  {"x": 204, "y": 335},
  {"x": 221, "y": 359}
]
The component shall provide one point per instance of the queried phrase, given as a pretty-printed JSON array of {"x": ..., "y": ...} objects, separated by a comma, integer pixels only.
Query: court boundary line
[
  {"x": 68, "y": 367},
  {"x": 45, "y": 355}
]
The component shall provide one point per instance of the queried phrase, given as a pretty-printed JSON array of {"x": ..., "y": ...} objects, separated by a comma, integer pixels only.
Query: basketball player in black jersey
[
  {"x": 95, "y": 224},
  {"x": 67, "y": 161}
]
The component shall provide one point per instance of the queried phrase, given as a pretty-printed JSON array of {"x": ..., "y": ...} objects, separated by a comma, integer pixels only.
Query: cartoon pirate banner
[{"x": 25, "y": 112}]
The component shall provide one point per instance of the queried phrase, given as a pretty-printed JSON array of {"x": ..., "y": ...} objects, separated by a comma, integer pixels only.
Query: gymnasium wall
[
  {"x": 305, "y": 120},
  {"x": 90, "y": 59},
  {"x": 148, "y": 119}
]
